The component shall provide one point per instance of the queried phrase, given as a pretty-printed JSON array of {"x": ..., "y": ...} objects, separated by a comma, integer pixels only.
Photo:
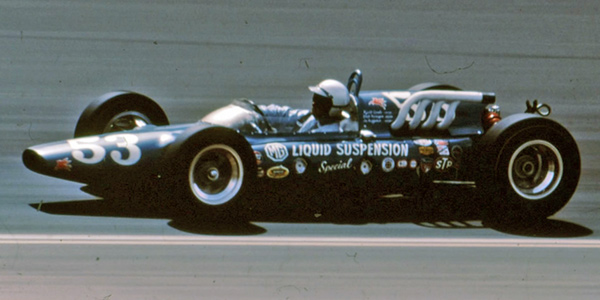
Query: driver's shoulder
[{"x": 276, "y": 110}]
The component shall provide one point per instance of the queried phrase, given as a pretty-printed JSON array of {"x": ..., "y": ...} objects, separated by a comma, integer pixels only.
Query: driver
[{"x": 333, "y": 109}]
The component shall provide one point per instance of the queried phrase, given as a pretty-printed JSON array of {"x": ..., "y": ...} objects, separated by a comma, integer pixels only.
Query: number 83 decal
[{"x": 98, "y": 153}]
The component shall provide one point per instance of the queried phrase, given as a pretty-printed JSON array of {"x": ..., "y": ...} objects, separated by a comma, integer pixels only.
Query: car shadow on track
[
  {"x": 440, "y": 210},
  {"x": 131, "y": 208}
]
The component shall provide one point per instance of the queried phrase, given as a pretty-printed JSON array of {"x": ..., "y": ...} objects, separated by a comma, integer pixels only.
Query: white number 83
[{"x": 123, "y": 141}]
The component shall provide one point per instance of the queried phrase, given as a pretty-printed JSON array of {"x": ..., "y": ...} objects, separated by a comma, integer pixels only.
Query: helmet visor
[{"x": 321, "y": 105}]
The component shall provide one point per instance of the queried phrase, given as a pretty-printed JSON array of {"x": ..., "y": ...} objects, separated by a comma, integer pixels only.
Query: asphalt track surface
[{"x": 57, "y": 242}]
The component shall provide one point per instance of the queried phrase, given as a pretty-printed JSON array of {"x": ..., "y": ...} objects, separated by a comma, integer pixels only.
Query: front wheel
[
  {"x": 536, "y": 172},
  {"x": 215, "y": 176}
]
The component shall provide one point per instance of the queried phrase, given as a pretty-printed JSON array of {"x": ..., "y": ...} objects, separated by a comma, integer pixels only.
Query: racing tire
[
  {"x": 433, "y": 86},
  {"x": 218, "y": 178},
  {"x": 535, "y": 173},
  {"x": 119, "y": 111}
]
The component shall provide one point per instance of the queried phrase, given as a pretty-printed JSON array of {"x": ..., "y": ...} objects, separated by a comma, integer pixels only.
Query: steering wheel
[
  {"x": 257, "y": 109},
  {"x": 354, "y": 82}
]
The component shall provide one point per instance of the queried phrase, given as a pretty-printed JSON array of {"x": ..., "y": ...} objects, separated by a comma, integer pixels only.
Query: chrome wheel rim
[
  {"x": 128, "y": 120},
  {"x": 216, "y": 174},
  {"x": 535, "y": 169}
]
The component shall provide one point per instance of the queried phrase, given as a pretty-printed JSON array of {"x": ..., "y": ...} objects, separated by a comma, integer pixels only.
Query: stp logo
[
  {"x": 443, "y": 163},
  {"x": 276, "y": 152}
]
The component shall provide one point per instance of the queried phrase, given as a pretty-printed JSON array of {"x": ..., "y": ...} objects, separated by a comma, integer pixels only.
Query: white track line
[{"x": 30, "y": 239}]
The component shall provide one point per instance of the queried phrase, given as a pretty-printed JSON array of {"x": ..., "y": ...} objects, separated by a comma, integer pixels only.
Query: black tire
[
  {"x": 119, "y": 111},
  {"x": 536, "y": 171},
  {"x": 216, "y": 176},
  {"x": 433, "y": 86}
]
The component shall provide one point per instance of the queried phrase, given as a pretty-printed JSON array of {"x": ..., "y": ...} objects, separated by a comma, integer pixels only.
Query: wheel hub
[
  {"x": 535, "y": 169},
  {"x": 128, "y": 120},
  {"x": 525, "y": 166},
  {"x": 213, "y": 174},
  {"x": 216, "y": 174}
]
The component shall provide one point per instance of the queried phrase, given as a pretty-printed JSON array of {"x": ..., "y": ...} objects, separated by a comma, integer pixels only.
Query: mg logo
[{"x": 276, "y": 152}]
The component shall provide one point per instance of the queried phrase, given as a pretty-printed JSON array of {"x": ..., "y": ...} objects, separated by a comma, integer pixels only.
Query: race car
[{"x": 398, "y": 142}]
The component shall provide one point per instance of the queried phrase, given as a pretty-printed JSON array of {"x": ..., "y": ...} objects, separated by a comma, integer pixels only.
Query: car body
[{"x": 427, "y": 135}]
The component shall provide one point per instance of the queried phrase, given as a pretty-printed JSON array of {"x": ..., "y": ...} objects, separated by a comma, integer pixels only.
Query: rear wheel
[
  {"x": 433, "y": 86},
  {"x": 535, "y": 169},
  {"x": 536, "y": 172},
  {"x": 119, "y": 111}
]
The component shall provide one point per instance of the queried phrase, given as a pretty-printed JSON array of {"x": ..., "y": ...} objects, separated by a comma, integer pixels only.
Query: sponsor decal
[
  {"x": 413, "y": 164},
  {"x": 300, "y": 165},
  {"x": 426, "y": 164},
  {"x": 387, "y": 165},
  {"x": 326, "y": 167},
  {"x": 371, "y": 149},
  {"x": 426, "y": 150},
  {"x": 442, "y": 147},
  {"x": 378, "y": 102},
  {"x": 423, "y": 142},
  {"x": 342, "y": 149},
  {"x": 309, "y": 150},
  {"x": 457, "y": 151},
  {"x": 276, "y": 152},
  {"x": 365, "y": 167},
  {"x": 403, "y": 163},
  {"x": 377, "y": 116},
  {"x": 278, "y": 172},
  {"x": 63, "y": 164},
  {"x": 443, "y": 150},
  {"x": 441, "y": 142},
  {"x": 443, "y": 163},
  {"x": 258, "y": 157}
]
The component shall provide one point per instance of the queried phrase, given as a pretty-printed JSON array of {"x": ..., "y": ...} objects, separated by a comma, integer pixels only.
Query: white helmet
[{"x": 336, "y": 91}]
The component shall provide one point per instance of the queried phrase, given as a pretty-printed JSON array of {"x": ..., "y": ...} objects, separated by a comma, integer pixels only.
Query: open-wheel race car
[{"x": 380, "y": 142}]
